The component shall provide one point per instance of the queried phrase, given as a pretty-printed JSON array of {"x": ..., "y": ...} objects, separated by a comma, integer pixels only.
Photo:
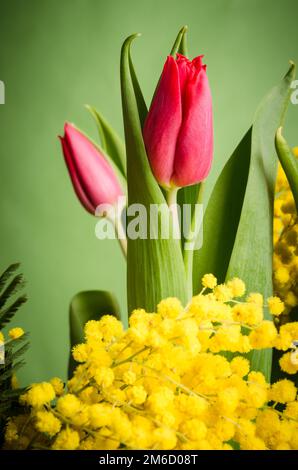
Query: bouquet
[{"x": 205, "y": 354}]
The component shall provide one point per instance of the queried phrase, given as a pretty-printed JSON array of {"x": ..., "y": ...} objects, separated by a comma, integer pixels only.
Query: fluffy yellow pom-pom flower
[
  {"x": 237, "y": 287},
  {"x": 68, "y": 405},
  {"x": 283, "y": 391},
  {"x": 209, "y": 281},
  {"x": 68, "y": 439},
  {"x": 285, "y": 260},
  {"x": 16, "y": 333},
  {"x": 48, "y": 423},
  {"x": 58, "y": 385},
  {"x": 276, "y": 306},
  {"x": 38, "y": 395}
]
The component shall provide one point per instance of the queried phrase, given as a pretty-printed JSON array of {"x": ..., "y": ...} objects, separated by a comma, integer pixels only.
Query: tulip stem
[
  {"x": 171, "y": 196},
  {"x": 122, "y": 242},
  {"x": 188, "y": 253},
  {"x": 116, "y": 220}
]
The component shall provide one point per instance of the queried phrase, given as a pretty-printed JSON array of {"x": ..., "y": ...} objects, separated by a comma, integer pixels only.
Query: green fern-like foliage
[{"x": 11, "y": 299}]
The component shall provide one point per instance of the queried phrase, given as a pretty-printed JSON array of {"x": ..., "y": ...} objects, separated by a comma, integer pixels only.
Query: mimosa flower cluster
[
  {"x": 285, "y": 242},
  {"x": 164, "y": 384},
  {"x": 14, "y": 333}
]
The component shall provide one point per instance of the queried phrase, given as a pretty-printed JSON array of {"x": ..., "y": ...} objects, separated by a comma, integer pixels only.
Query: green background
[{"x": 56, "y": 56}]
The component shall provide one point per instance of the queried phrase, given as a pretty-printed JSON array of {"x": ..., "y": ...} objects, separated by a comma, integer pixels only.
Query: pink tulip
[
  {"x": 178, "y": 131},
  {"x": 93, "y": 178}
]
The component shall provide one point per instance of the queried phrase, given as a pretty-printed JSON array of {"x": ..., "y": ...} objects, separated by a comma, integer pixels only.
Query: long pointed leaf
[
  {"x": 222, "y": 216},
  {"x": 183, "y": 49},
  {"x": 238, "y": 220},
  {"x": 111, "y": 142},
  {"x": 225, "y": 205},
  {"x": 252, "y": 253},
  {"x": 141, "y": 105},
  {"x": 179, "y": 44},
  {"x": 289, "y": 163},
  {"x": 154, "y": 266}
]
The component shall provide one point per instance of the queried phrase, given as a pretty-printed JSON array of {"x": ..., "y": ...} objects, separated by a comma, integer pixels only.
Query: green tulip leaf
[
  {"x": 154, "y": 265},
  {"x": 289, "y": 163},
  {"x": 183, "y": 49},
  {"x": 85, "y": 306},
  {"x": 238, "y": 219},
  {"x": 180, "y": 43},
  {"x": 222, "y": 216},
  {"x": 111, "y": 143},
  {"x": 141, "y": 105}
]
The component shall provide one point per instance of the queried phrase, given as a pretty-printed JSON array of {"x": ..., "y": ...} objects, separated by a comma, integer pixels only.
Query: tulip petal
[
  {"x": 93, "y": 178},
  {"x": 186, "y": 72},
  {"x": 74, "y": 179},
  {"x": 163, "y": 123},
  {"x": 194, "y": 147}
]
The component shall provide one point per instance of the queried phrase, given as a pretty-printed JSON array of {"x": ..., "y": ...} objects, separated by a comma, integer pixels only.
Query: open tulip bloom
[{"x": 169, "y": 150}]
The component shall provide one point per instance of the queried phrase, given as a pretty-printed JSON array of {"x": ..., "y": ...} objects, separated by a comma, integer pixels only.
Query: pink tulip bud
[
  {"x": 178, "y": 131},
  {"x": 93, "y": 178}
]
